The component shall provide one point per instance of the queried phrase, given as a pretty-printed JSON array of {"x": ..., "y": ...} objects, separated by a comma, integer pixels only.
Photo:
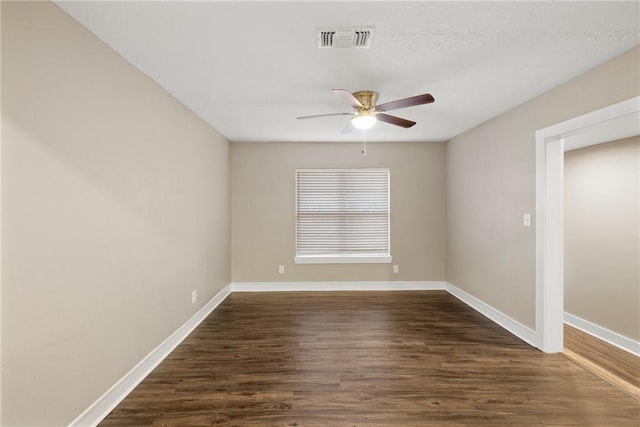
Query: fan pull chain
[{"x": 364, "y": 145}]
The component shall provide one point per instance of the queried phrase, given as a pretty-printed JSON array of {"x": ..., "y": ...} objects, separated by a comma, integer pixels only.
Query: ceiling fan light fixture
[{"x": 364, "y": 121}]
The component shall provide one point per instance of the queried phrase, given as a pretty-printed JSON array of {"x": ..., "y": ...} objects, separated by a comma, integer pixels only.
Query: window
[{"x": 342, "y": 216}]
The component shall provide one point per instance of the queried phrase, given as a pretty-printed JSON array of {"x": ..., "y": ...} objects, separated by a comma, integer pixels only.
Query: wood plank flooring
[
  {"x": 602, "y": 373},
  {"x": 365, "y": 359},
  {"x": 611, "y": 358}
]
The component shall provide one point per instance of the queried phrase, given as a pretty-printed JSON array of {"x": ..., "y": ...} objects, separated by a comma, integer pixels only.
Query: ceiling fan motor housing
[{"x": 368, "y": 100}]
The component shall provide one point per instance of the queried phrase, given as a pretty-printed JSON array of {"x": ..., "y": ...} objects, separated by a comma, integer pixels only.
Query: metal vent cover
[{"x": 345, "y": 37}]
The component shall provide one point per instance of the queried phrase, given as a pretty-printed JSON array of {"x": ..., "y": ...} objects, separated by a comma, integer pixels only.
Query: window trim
[
  {"x": 343, "y": 259},
  {"x": 370, "y": 258}
]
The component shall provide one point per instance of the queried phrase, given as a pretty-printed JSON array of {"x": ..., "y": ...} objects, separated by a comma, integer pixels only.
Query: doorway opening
[{"x": 618, "y": 121}]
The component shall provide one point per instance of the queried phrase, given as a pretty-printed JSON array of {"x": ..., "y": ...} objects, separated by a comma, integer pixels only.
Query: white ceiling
[{"x": 250, "y": 68}]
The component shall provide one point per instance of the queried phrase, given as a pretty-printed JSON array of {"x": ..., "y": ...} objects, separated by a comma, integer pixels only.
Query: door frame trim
[{"x": 550, "y": 147}]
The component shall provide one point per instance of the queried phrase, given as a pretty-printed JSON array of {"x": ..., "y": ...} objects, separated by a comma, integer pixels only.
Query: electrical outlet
[
  {"x": 194, "y": 296},
  {"x": 395, "y": 268},
  {"x": 281, "y": 269}
]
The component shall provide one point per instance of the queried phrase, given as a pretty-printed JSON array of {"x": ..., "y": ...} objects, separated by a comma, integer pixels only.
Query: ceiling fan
[{"x": 366, "y": 113}]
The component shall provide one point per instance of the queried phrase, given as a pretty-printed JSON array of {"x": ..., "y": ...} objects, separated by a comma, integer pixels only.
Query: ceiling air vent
[{"x": 345, "y": 37}]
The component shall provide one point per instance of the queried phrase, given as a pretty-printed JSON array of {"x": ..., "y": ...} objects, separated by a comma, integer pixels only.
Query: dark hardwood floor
[{"x": 365, "y": 359}]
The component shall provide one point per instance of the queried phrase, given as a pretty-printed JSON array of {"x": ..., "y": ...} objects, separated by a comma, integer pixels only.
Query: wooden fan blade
[
  {"x": 406, "y": 102},
  {"x": 347, "y": 96},
  {"x": 324, "y": 115},
  {"x": 393, "y": 120},
  {"x": 348, "y": 128}
]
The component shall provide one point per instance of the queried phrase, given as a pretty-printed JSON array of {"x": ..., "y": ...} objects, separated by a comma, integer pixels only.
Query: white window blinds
[{"x": 342, "y": 213}]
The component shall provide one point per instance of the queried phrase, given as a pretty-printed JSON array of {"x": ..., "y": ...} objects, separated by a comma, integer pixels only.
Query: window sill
[{"x": 343, "y": 259}]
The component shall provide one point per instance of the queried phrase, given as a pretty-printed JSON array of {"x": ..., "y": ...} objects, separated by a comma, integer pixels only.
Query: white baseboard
[
  {"x": 335, "y": 286},
  {"x": 523, "y": 332},
  {"x": 604, "y": 334},
  {"x": 110, "y": 399}
]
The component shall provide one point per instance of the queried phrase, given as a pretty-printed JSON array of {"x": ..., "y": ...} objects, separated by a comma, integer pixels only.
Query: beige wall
[
  {"x": 115, "y": 205},
  {"x": 491, "y": 183},
  {"x": 263, "y": 209},
  {"x": 602, "y": 235}
]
